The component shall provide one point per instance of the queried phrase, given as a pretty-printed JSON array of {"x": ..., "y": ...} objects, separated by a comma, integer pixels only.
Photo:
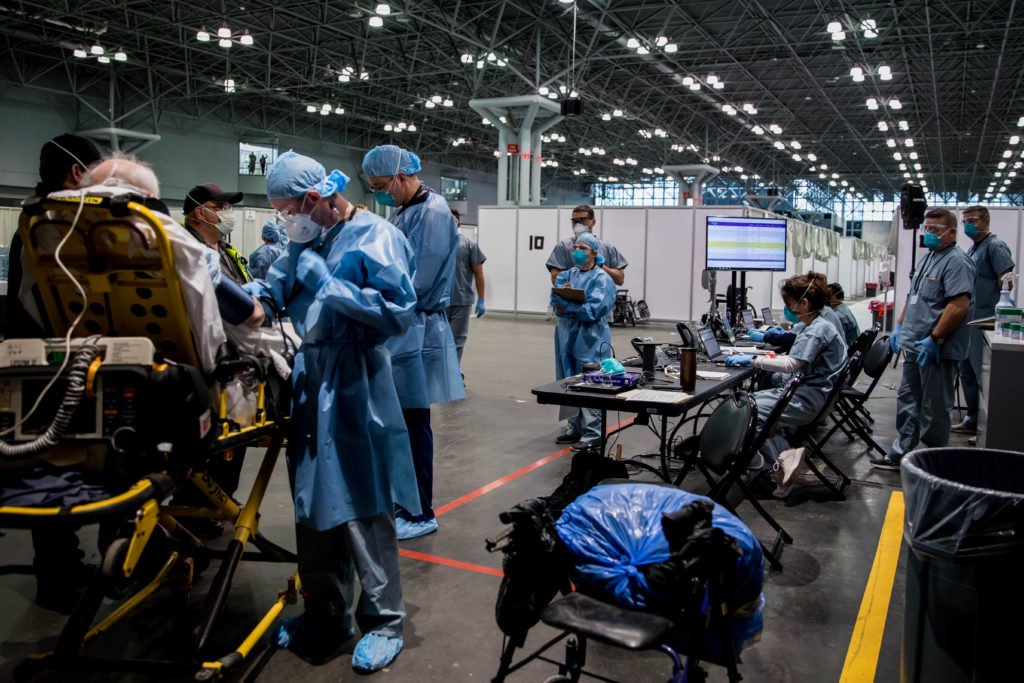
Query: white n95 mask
[{"x": 301, "y": 228}]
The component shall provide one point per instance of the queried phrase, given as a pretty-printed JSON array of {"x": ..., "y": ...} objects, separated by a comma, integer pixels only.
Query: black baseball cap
[{"x": 200, "y": 194}]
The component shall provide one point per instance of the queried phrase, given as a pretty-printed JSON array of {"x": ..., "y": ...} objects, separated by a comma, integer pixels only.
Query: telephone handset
[{"x": 687, "y": 335}]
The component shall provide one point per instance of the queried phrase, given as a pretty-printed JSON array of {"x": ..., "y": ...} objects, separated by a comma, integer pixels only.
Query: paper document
[
  {"x": 749, "y": 350},
  {"x": 570, "y": 294},
  {"x": 655, "y": 396},
  {"x": 712, "y": 375}
]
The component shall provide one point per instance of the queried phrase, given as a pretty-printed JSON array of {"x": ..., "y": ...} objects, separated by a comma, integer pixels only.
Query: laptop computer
[
  {"x": 766, "y": 317},
  {"x": 710, "y": 344},
  {"x": 748, "y": 320}
]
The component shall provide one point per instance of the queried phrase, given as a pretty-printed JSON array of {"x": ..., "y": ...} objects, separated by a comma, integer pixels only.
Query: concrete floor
[{"x": 811, "y": 607}]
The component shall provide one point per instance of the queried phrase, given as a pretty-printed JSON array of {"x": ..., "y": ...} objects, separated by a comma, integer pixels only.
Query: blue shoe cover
[
  {"x": 374, "y": 651},
  {"x": 406, "y": 529},
  {"x": 309, "y": 637}
]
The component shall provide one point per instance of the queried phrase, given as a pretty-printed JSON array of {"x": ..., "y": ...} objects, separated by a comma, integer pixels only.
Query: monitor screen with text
[{"x": 739, "y": 243}]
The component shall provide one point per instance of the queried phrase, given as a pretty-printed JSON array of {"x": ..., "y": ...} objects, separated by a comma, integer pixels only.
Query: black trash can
[{"x": 964, "y": 607}]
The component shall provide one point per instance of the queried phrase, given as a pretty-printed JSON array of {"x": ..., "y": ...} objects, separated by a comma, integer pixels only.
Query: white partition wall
[
  {"x": 669, "y": 261},
  {"x": 498, "y": 242},
  {"x": 537, "y": 235},
  {"x": 627, "y": 230},
  {"x": 846, "y": 265}
]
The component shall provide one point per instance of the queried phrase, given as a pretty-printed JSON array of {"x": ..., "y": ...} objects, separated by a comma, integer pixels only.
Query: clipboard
[{"x": 570, "y": 294}]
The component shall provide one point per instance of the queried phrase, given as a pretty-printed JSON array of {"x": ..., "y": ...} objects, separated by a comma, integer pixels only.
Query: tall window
[
  {"x": 660, "y": 192},
  {"x": 453, "y": 189},
  {"x": 255, "y": 158}
]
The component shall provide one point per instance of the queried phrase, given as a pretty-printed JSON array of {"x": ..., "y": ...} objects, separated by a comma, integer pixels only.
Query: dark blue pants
[{"x": 421, "y": 439}]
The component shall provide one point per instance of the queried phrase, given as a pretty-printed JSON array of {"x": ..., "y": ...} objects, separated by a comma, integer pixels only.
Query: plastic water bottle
[{"x": 1006, "y": 303}]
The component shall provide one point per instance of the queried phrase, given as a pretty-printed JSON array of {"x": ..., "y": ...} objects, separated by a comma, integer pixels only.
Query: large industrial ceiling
[{"x": 956, "y": 70}]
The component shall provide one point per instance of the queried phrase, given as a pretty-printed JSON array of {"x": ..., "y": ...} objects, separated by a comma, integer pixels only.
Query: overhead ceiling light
[
  {"x": 775, "y": 128},
  {"x": 224, "y": 42},
  {"x": 869, "y": 27},
  {"x": 838, "y": 36},
  {"x": 552, "y": 95},
  {"x": 897, "y": 156},
  {"x": 103, "y": 59},
  {"x": 344, "y": 78},
  {"x": 895, "y": 104},
  {"x": 376, "y": 22},
  {"x": 96, "y": 50},
  {"x": 202, "y": 36},
  {"x": 885, "y": 73},
  {"x": 796, "y": 157},
  {"x": 779, "y": 145},
  {"x": 229, "y": 85},
  {"x": 223, "y": 32},
  {"x": 80, "y": 53},
  {"x": 364, "y": 75},
  {"x": 466, "y": 58},
  {"x": 795, "y": 144},
  {"x": 661, "y": 41},
  {"x": 757, "y": 130},
  {"x": 1014, "y": 139},
  {"x": 412, "y": 128},
  {"x": 543, "y": 90},
  {"x": 339, "y": 110},
  {"x": 632, "y": 43},
  {"x": 812, "y": 157},
  {"x": 429, "y": 104},
  {"x": 695, "y": 86},
  {"x": 606, "y": 116},
  {"x": 890, "y": 143},
  {"x": 871, "y": 103},
  {"x": 120, "y": 56},
  {"x": 834, "y": 27},
  {"x": 245, "y": 38},
  {"x": 909, "y": 142},
  {"x": 857, "y": 73},
  {"x": 913, "y": 155},
  {"x": 1007, "y": 154},
  {"x": 642, "y": 50},
  {"x": 883, "y": 126},
  {"x": 718, "y": 85},
  {"x": 904, "y": 125},
  {"x": 383, "y": 9},
  {"x": 310, "y": 108},
  {"x": 616, "y": 112},
  {"x": 903, "y": 167},
  {"x": 388, "y": 127},
  {"x": 671, "y": 47},
  {"x": 711, "y": 79},
  {"x": 917, "y": 167},
  {"x": 448, "y": 103}
]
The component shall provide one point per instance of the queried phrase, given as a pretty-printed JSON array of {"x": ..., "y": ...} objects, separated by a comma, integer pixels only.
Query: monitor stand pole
[{"x": 738, "y": 301}]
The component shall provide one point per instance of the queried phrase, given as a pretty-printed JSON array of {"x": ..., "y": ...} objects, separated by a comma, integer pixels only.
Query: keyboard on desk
[{"x": 746, "y": 343}]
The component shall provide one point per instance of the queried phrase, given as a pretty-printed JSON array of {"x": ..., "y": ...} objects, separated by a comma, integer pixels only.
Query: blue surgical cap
[
  {"x": 293, "y": 174},
  {"x": 588, "y": 239},
  {"x": 270, "y": 231},
  {"x": 390, "y": 160}
]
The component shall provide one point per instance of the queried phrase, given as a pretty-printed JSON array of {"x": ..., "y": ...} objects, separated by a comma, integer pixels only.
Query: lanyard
[{"x": 924, "y": 273}]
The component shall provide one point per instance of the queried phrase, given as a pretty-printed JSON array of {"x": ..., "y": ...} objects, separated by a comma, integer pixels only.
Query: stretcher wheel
[{"x": 112, "y": 568}]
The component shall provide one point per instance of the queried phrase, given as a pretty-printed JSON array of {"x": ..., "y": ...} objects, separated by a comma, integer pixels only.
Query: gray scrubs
[
  {"x": 924, "y": 401},
  {"x": 850, "y": 328},
  {"x": 467, "y": 256},
  {"x": 991, "y": 259},
  {"x": 820, "y": 345}
]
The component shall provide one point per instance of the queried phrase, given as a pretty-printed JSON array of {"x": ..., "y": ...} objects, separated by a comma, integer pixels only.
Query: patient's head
[
  {"x": 123, "y": 170},
  {"x": 63, "y": 161}
]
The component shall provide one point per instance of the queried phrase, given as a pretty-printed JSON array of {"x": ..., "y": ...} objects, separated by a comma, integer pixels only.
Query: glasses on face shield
[
  {"x": 580, "y": 221},
  {"x": 935, "y": 229}
]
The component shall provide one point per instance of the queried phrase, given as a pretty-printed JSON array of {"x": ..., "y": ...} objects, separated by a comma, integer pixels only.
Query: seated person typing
[{"x": 819, "y": 352}]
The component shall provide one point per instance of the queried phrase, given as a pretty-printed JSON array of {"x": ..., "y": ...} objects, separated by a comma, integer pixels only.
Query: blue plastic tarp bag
[{"x": 614, "y": 529}]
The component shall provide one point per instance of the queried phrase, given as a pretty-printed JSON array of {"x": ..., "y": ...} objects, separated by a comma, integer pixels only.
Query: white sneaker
[{"x": 787, "y": 471}]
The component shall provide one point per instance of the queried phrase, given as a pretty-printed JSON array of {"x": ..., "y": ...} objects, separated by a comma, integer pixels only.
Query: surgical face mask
[
  {"x": 384, "y": 198},
  {"x": 790, "y": 315},
  {"x": 971, "y": 230},
  {"x": 580, "y": 257},
  {"x": 226, "y": 224},
  {"x": 578, "y": 228},
  {"x": 300, "y": 227},
  {"x": 932, "y": 241}
]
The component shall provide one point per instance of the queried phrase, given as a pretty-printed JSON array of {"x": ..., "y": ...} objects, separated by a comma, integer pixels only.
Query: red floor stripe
[
  {"x": 487, "y": 488},
  {"x": 447, "y": 562}
]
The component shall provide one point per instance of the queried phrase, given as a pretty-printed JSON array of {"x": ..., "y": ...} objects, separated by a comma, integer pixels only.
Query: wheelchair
[
  {"x": 629, "y": 312},
  {"x": 123, "y": 390}
]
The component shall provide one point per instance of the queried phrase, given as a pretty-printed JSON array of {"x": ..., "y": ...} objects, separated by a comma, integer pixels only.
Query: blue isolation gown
[
  {"x": 424, "y": 360},
  {"x": 582, "y": 334},
  {"x": 349, "y": 454},
  {"x": 261, "y": 260}
]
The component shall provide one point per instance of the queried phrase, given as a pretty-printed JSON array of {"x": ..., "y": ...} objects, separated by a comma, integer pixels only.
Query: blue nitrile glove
[
  {"x": 599, "y": 261},
  {"x": 740, "y": 360},
  {"x": 894, "y": 338},
  {"x": 311, "y": 269},
  {"x": 480, "y": 308},
  {"x": 775, "y": 328},
  {"x": 928, "y": 352},
  {"x": 756, "y": 335}
]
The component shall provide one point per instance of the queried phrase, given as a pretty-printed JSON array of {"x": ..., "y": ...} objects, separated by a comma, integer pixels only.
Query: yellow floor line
[{"x": 866, "y": 642}]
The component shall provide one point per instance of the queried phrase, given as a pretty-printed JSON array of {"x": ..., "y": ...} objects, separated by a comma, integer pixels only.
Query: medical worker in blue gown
[
  {"x": 268, "y": 252},
  {"x": 582, "y": 335},
  {"x": 818, "y": 353},
  {"x": 347, "y": 284},
  {"x": 424, "y": 360}
]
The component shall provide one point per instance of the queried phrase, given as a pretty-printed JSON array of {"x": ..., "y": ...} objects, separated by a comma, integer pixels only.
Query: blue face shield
[{"x": 579, "y": 257}]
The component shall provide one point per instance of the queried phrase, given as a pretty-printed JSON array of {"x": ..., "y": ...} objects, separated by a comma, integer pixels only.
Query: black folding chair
[
  {"x": 727, "y": 444},
  {"x": 849, "y": 407},
  {"x": 805, "y": 434}
]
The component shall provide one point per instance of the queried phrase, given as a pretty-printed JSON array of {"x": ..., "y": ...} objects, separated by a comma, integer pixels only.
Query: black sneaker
[
  {"x": 584, "y": 446},
  {"x": 965, "y": 427},
  {"x": 884, "y": 463},
  {"x": 568, "y": 438}
]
